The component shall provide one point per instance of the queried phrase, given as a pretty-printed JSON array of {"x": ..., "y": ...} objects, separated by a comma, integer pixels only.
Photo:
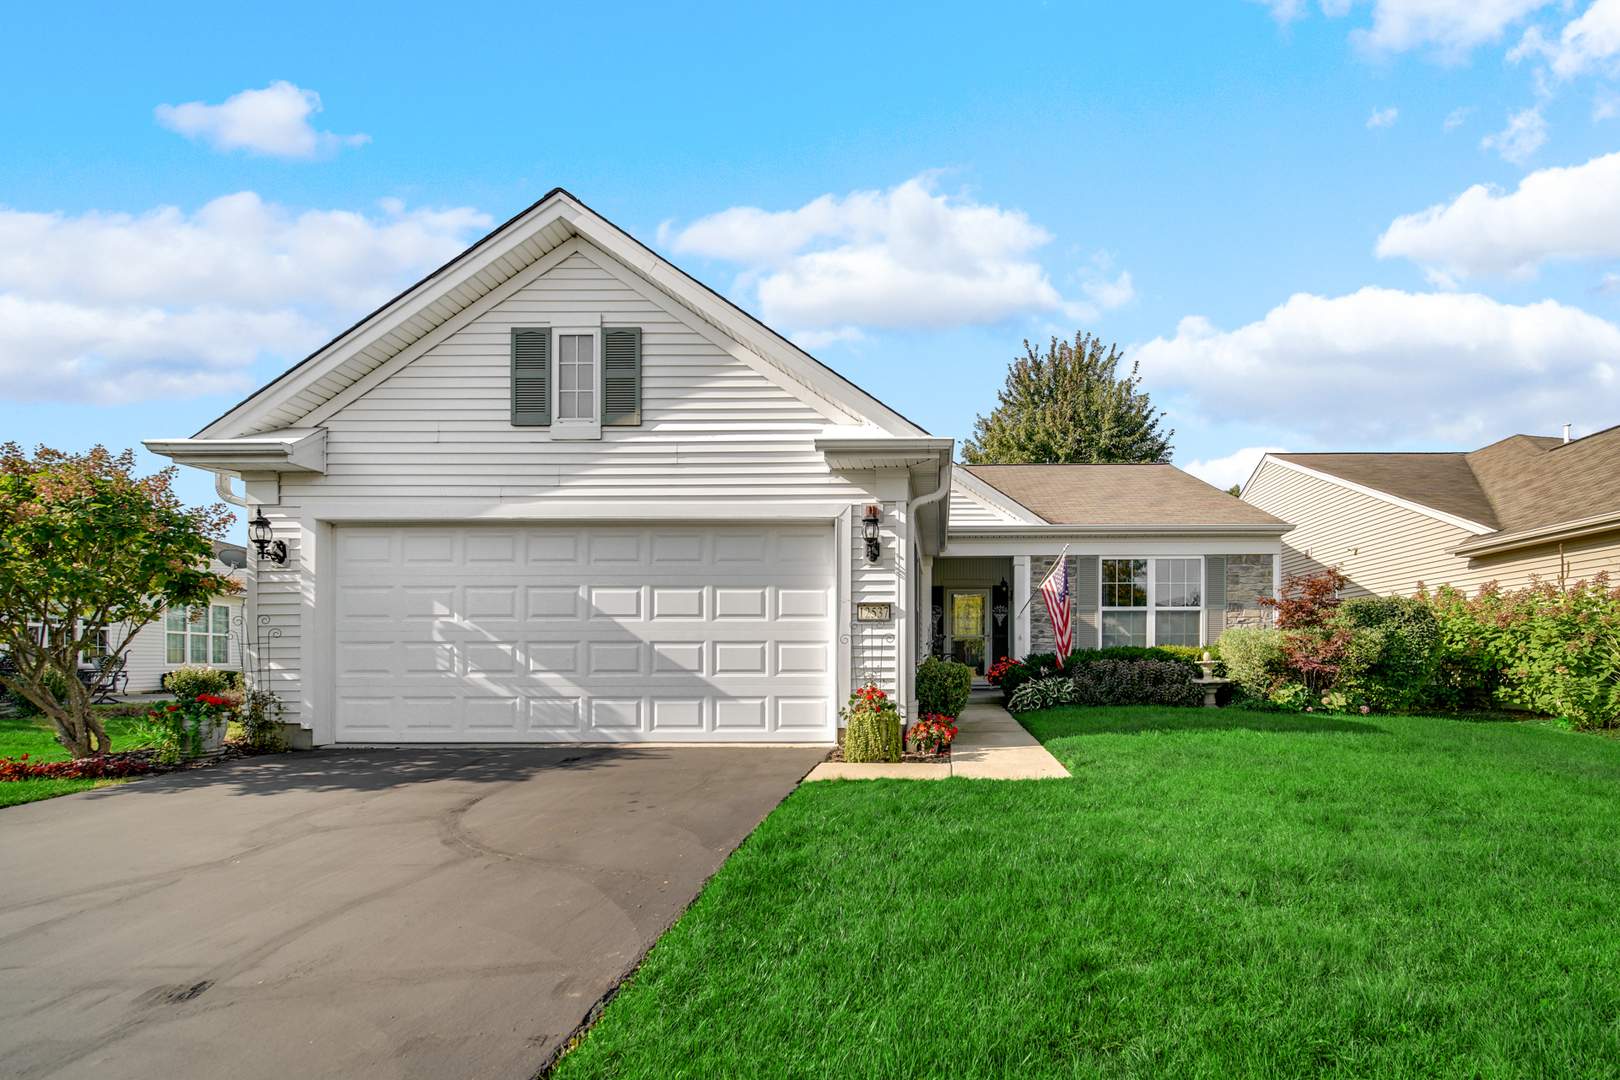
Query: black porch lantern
[
  {"x": 272, "y": 550},
  {"x": 869, "y": 529}
]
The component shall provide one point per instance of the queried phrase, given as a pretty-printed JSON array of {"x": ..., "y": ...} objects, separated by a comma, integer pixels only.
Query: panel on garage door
[{"x": 609, "y": 633}]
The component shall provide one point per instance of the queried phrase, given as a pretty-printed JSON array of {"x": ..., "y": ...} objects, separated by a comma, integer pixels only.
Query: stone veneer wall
[
  {"x": 1248, "y": 577},
  {"x": 1041, "y": 638}
]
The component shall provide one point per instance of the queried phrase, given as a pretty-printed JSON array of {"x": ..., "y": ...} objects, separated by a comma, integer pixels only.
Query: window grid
[
  {"x": 1174, "y": 618},
  {"x": 202, "y": 640},
  {"x": 576, "y": 377}
]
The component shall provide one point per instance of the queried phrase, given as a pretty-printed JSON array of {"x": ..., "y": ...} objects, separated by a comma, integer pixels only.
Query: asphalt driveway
[{"x": 444, "y": 913}]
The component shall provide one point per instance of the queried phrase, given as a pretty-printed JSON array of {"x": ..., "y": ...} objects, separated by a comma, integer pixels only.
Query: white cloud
[
  {"x": 1523, "y": 136},
  {"x": 1559, "y": 213},
  {"x": 116, "y": 307},
  {"x": 1284, "y": 11},
  {"x": 906, "y": 258},
  {"x": 1588, "y": 44},
  {"x": 1456, "y": 118},
  {"x": 1451, "y": 27},
  {"x": 274, "y": 121},
  {"x": 1109, "y": 295},
  {"x": 1235, "y": 468},
  {"x": 1381, "y": 366},
  {"x": 820, "y": 339},
  {"x": 1382, "y": 118}
]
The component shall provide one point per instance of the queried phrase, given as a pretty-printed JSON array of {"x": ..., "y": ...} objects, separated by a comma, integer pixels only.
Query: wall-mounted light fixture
[
  {"x": 869, "y": 529},
  {"x": 269, "y": 550}
]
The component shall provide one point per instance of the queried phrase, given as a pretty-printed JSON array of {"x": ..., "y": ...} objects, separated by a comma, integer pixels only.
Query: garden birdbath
[{"x": 1209, "y": 682}]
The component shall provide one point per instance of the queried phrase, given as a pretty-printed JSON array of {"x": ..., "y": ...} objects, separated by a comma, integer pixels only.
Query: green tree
[
  {"x": 1069, "y": 405},
  {"x": 86, "y": 544}
]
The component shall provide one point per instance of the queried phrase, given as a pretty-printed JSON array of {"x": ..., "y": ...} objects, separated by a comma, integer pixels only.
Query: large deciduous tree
[
  {"x": 1069, "y": 404},
  {"x": 86, "y": 544}
]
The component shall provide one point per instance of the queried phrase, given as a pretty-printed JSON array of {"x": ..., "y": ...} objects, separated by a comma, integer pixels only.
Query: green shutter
[
  {"x": 531, "y": 377},
  {"x": 621, "y": 375}
]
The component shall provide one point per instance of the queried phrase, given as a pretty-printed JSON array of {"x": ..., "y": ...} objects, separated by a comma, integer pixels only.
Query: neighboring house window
[
  {"x": 203, "y": 640},
  {"x": 1152, "y": 602}
]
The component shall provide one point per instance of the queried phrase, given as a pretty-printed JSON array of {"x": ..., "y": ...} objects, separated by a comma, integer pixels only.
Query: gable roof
[
  {"x": 1443, "y": 482},
  {"x": 494, "y": 266},
  {"x": 1523, "y": 486},
  {"x": 1119, "y": 494}
]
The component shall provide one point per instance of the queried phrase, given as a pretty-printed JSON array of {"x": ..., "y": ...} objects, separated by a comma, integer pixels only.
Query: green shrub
[
  {"x": 261, "y": 713},
  {"x": 943, "y": 687},
  {"x": 1398, "y": 673},
  {"x": 1136, "y": 682},
  {"x": 1253, "y": 656},
  {"x": 191, "y": 680},
  {"x": 1556, "y": 648},
  {"x": 55, "y": 682},
  {"x": 872, "y": 727}
]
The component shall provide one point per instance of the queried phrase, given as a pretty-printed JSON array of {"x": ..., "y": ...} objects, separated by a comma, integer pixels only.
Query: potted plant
[
  {"x": 932, "y": 732},
  {"x": 193, "y": 729},
  {"x": 872, "y": 731}
]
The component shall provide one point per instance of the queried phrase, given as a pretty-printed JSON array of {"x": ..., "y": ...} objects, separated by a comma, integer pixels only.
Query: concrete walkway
[{"x": 990, "y": 745}]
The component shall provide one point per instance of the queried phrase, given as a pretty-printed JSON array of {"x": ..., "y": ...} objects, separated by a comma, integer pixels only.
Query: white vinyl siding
[{"x": 435, "y": 439}]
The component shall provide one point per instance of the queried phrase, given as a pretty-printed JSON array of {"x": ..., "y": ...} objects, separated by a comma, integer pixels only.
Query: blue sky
[{"x": 1337, "y": 225}]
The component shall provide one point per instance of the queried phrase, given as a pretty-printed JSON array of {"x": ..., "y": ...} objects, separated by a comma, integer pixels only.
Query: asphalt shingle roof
[{"x": 1119, "y": 494}]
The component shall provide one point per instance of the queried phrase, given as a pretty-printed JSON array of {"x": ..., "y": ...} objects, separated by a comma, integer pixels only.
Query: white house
[
  {"x": 559, "y": 491},
  {"x": 213, "y": 637}
]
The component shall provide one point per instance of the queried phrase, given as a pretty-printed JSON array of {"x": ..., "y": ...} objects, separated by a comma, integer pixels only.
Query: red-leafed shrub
[{"x": 100, "y": 767}]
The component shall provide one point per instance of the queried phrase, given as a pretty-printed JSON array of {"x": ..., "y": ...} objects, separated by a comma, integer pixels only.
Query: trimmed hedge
[{"x": 943, "y": 687}]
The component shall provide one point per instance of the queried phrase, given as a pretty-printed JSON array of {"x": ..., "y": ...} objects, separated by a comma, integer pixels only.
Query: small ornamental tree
[
  {"x": 85, "y": 544},
  {"x": 1069, "y": 405}
]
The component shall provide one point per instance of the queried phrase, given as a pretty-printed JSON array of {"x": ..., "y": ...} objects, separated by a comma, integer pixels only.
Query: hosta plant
[{"x": 1046, "y": 693}]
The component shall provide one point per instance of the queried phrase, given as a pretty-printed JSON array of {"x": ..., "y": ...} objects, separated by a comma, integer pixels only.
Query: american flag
[{"x": 1055, "y": 591}]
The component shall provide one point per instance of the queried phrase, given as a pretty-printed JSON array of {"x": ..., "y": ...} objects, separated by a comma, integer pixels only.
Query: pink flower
[{"x": 1365, "y": 710}]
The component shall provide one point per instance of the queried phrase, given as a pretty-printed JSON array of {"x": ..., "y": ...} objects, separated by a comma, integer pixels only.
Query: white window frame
[
  {"x": 1152, "y": 609},
  {"x": 578, "y": 428},
  {"x": 188, "y": 634}
]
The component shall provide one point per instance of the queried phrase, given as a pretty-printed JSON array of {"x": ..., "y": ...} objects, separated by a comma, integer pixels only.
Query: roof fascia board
[
  {"x": 382, "y": 322},
  {"x": 1013, "y": 531},
  {"x": 1564, "y": 530},
  {"x": 1383, "y": 496},
  {"x": 993, "y": 498},
  {"x": 291, "y": 450},
  {"x": 453, "y": 325},
  {"x": 834, "y": 409},
  {"x": 738, "y": 325}
]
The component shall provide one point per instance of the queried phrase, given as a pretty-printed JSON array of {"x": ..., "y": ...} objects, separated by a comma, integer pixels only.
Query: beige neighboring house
[
  {"x": 214, "y": 640},
  {"x": 1525, "y": 506}
]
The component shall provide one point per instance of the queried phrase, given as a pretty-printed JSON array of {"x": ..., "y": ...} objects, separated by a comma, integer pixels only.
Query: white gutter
[{"x": 1013, "y": 530}]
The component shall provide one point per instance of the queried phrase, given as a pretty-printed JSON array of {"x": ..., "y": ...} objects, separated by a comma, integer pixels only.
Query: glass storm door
[{"x": 967, "y": 625}]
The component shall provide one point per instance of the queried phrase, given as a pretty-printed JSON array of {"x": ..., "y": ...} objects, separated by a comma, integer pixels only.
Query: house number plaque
[{"x": 874, "y": 612}]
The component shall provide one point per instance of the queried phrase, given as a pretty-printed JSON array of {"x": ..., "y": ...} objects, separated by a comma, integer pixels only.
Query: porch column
[
  {"x": 925, "y": 606},
  {"x": 1020, "y": 602}
]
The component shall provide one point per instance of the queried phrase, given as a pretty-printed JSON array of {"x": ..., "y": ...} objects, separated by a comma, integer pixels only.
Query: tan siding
[{"x": 1383, "y": 548}]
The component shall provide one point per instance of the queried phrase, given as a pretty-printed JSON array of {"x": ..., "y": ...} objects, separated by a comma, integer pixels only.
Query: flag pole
[{"x": 1031, "y": 597}]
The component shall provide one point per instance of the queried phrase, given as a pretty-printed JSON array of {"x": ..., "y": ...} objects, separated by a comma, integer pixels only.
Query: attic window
[{"x": 576, "y": 380}]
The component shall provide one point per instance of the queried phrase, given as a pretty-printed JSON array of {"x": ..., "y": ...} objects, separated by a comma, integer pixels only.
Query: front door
[{"x": 967, "y": 624}]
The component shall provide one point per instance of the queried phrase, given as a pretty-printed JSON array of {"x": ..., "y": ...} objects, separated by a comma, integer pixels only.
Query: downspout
[
  {"x": 939, "y": 492},
  {"x": 222, "y": 488}
]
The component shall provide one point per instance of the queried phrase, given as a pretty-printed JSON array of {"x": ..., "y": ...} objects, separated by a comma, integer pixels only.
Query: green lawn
[
  {"x": 32, "y": 735},
  {"x": 1214, "y": 894}
]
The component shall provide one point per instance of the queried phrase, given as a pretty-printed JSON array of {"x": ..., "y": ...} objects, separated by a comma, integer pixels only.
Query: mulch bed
[
  {"x": 134, "y": 763},
  {"x": 921, "y": 757}
]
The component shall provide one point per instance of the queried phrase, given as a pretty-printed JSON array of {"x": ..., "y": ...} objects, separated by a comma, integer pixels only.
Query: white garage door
[{"x": 587, "y": 633}]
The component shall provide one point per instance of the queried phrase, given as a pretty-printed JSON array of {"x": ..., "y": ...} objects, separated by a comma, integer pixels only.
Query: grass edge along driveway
[
  {"x": 32, "y": 735},
  {"x": 1212, "y": 894}
]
